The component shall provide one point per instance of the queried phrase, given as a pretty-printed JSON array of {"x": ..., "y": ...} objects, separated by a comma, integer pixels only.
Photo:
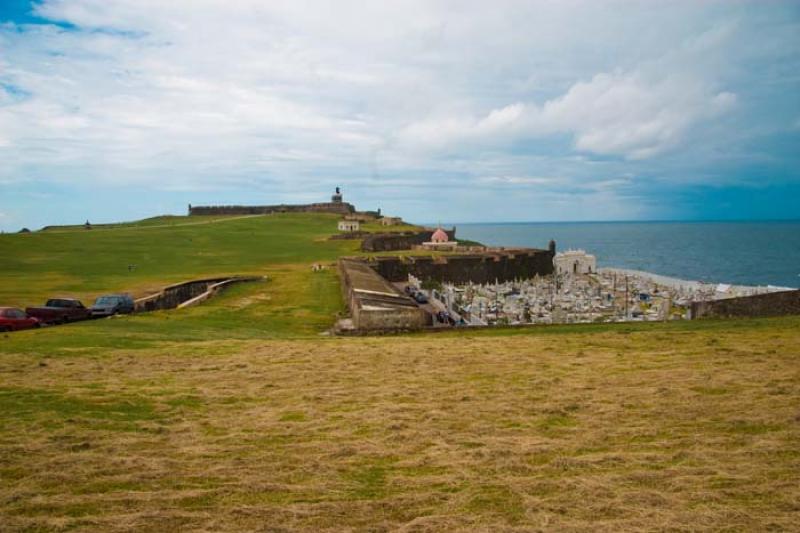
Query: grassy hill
[
  {"x": 84, "y": 263},
  {"x": 237, "y": 415}
]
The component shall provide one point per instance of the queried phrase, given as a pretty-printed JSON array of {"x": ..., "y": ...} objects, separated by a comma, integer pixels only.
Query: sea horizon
[
  {"x": 617, "y": 221},
  {"x": 738, "y": 252}
]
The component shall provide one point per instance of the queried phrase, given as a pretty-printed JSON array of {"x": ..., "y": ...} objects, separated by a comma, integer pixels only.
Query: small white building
[
  {"x": 349, "y": 225},
  {"x": 575, "y": 262}
]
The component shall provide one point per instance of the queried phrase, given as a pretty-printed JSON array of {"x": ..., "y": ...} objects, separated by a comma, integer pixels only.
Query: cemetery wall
[{"x": 771, "y": 304}]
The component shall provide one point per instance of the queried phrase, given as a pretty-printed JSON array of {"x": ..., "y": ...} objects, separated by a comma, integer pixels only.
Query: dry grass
[{"x": 679, "y": 430}]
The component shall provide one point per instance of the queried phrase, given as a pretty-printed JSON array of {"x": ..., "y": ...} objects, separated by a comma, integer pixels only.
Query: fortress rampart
[{"x": 340, "y": 208}]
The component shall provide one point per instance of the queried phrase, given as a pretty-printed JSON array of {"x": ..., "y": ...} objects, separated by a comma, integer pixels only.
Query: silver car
[{"x": 112, "y": 304}]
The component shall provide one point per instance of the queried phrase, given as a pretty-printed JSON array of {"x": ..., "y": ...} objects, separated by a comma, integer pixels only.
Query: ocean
[{"x": 741, "y": 253}]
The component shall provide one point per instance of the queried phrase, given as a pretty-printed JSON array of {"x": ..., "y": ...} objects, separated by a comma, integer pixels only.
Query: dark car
[
  {"x": 59, "y": 311},
  {"x": 13, "y": 319},
  {"x": 112, "y": 304},
  {"x": 421, "y": 298}
]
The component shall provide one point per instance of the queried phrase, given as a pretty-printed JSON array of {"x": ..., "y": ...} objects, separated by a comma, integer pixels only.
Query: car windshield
[
  {"x": 58, "y": 303},
  {"x": 107, "y": 300}
]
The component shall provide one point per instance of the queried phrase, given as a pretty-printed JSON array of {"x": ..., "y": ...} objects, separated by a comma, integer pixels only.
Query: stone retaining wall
[
  {"x": 375, "y": 305},
  {"x": 186, "y": 293}
]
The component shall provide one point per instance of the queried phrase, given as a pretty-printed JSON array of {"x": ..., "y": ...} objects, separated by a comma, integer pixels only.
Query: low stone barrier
[
  {"x": 771, "y": 304},
  {"x": 187, "y": 293}
]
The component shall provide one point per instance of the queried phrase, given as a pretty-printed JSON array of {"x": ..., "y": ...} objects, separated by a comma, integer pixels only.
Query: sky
[{"x": 457, "y": 110}]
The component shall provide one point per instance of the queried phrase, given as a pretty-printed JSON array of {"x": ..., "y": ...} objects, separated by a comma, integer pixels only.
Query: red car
[{"x": 13, "y": 319}]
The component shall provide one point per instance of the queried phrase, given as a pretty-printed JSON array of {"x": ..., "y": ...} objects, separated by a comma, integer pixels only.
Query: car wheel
[{"x": 4, "y": 329}]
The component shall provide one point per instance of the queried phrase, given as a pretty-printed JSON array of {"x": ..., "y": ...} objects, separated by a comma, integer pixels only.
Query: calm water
[{"x": 743, "y": 253}]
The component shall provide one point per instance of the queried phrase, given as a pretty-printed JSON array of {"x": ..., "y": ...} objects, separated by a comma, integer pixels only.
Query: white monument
[{"x": 575, "y": 262}]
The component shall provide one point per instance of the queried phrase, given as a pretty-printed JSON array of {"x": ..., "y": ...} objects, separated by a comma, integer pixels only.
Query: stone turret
[{"x": 337, "y": 196}]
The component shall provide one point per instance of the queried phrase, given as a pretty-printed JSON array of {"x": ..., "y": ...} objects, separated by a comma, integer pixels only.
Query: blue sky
[{"x": 434, "y": 110}]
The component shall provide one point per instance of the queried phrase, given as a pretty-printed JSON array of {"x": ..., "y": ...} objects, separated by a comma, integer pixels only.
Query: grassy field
[
  {"x": 239, "y": 415},
  {"x": 669, "y": 427}
]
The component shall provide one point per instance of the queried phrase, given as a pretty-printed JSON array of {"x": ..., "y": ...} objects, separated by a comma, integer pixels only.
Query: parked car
[
  {"x": 420, "y": 297},
  {"x": 112, "y": 304},
  {"x": 13, "y": 319},
  {"x": 60, "y": 311}
]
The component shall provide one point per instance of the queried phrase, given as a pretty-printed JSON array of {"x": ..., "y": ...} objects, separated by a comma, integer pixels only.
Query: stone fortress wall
[
  {"x": 482, "y": 267},
  {"x": 340, "y": 208}
]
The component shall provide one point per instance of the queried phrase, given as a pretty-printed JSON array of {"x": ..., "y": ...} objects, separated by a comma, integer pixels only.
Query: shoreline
[{"x": 682, "y": 284}]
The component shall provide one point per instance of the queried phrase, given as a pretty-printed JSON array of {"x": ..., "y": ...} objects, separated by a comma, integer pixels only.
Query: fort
[
  {"x": 336, "y": 206},
  {"x": 341, "y": 208}
]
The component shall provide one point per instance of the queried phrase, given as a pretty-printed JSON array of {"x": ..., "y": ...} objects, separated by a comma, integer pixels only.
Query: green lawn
[{"x": 164, "y": 250}]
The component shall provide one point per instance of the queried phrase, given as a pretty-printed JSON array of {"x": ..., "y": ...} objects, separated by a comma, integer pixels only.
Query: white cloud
[
  {"x": 297, "y": 95},
  {"x": 522, "y": 180},
  {"x": 612, "y": 114}
]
